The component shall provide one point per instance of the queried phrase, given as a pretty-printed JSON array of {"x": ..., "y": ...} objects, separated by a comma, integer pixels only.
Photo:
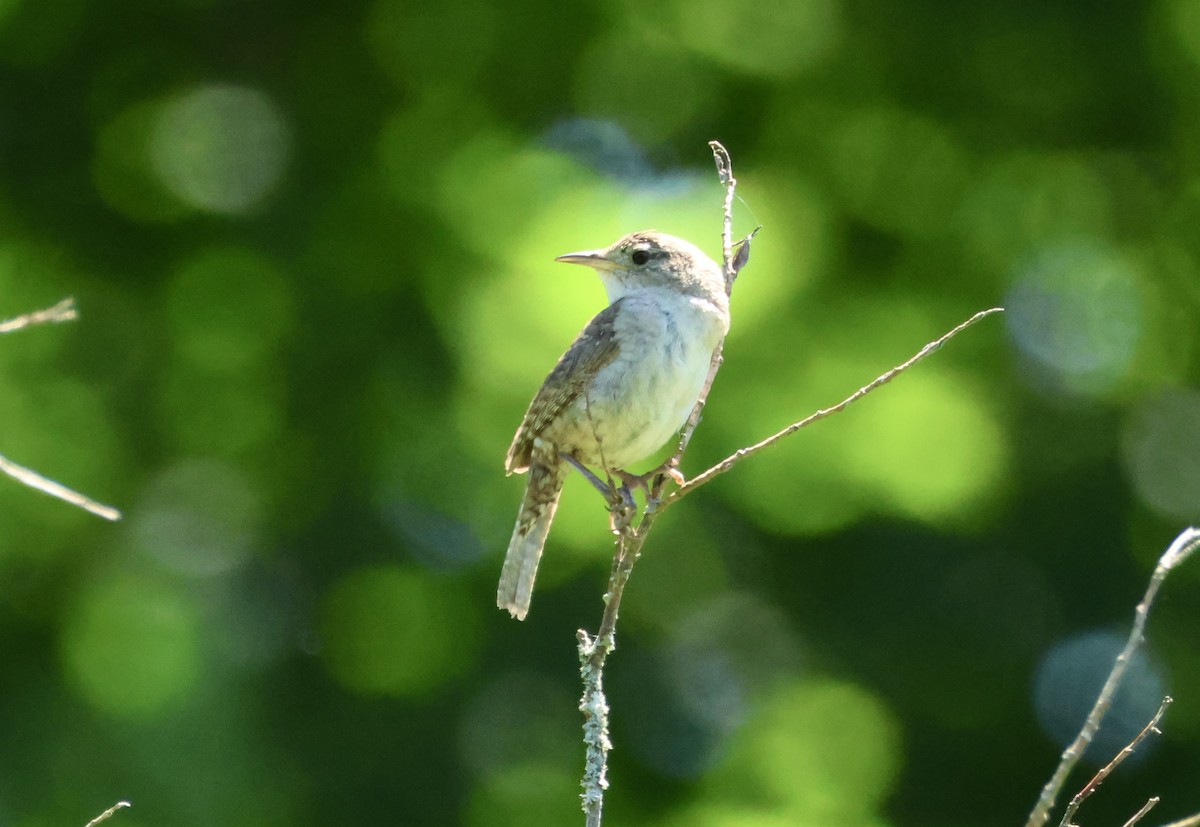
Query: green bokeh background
[{"x": 312, "y": 246}]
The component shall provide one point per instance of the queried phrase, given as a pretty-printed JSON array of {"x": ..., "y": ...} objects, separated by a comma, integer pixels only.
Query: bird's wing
[{"x": 594, "y": 348}]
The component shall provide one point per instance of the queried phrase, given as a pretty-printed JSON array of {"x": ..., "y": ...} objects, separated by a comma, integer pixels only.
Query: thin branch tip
[
  {"x": 64, "y": 311},
  {"x": 33, "y": 479},
  {"x": 107, "y": 814},
  {"x": 742, "y": 453},
  {"x": 1183, "y": 545}
]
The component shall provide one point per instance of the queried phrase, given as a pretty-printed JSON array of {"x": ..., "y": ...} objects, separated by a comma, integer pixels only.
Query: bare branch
[
  {"x": 725, "y": 176},
  {"x": 1106, "y": 770},
  {"x": 731, "y": 264},
  {"x": 1190, "y": 821},
  {"x": 733, "y": 459},
  {"x": 47, "y": 486},
  {"x": 1180, "y": 549},
  {"x": 107, "y": 814},
  {"x": 593, "y": 653},
  {"x": 64, "y": 311},
  {"x": 1140, "y": 814}
]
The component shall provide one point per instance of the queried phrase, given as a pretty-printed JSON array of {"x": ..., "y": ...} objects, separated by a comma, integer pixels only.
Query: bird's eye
[{"x": 640, "y": 257}]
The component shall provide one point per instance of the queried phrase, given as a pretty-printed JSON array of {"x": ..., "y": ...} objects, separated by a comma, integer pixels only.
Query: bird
[{"x": 623, "y": 388}]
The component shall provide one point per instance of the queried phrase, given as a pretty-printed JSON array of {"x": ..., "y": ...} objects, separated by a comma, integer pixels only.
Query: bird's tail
[{"x": 528, "y": 539}]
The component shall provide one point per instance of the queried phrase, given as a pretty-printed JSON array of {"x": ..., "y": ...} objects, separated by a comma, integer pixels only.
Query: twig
[
  {"x": 725, "y": 176},
  {"x": 1140, "y": 814},
  {"x": 107, "y": 814},
  {"x": 732, "y": 263},
  {"x": 1179, "y": 550},
  {"x": 1106, "y": 770},
  {"x": 64, "y": 311},
  {"x": 1190, "y": 821},
  {"x": 48, "y": 486},
  {"x": 736, "y": 457}
]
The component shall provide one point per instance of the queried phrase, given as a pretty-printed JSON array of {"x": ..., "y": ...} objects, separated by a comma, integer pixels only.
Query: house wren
[{"x": 624, "y": 387}]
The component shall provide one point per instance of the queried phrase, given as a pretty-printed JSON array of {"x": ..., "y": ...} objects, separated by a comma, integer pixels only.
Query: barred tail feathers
[{"x": 529, "y": 538}]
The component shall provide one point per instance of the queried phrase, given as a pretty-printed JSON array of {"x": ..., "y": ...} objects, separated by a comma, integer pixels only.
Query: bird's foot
[
  {"x": 631, "y": 481},
  {"x": 622, "y": 507},
  {"x": 621, "y": 514},
  {"x": 652, "y": 481}
]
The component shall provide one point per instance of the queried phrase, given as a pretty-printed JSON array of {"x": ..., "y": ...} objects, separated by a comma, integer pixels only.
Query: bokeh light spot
[
  {"x": 417, "y": 138},
  {"x": 1161, "y": 449},
  {"x": 7, "y": 7},
  {"x": 1184, "y": 21},
  {"x": 519, "y": 713},
  {"x": 685, "y": 698},
  {"x": 797, "y": 490},
  {"x": 198, "y": 518},
  {"x": 132, "y": 646},
  {"x": 724, "y": 814},
  {"x": 229, "y": 308},
  {"x": 397, "y": 631},
  {"x": 772, "y": 39},
  {"x": 1026, "y": 201},
  {"x": 615, "y": 70},
  {"x": 820, "y": 752},
  {"x": 929, "y": 445},
  {"x": 121, "y": 171},
  {"x": 220, "y": 148},
  {"x": 1070, "y": 677},
  {"x": 432, "y": 43},
  {"x": 492, "y": 185},
  {"x": 898, "y": 171},
  {"x": 209, "y": 415},
  {"x": 35, "y": 33},
  {"x": 1076, "y": 309},
  {"x": 528, "y": 794},
  {"x": 601, "y": 144}
]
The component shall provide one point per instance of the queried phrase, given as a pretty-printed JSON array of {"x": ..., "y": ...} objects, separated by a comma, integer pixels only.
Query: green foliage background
[{"x": 312, "y": 247}]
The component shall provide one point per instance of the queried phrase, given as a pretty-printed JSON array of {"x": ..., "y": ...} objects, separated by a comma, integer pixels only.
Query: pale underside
[{"x": 613, "y": 405}]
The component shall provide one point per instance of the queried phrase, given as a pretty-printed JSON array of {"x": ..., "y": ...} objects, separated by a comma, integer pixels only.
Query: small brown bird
[{"x": 623, "y": 388}]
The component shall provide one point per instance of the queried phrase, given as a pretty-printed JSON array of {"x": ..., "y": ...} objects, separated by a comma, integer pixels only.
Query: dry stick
[
  {"x": 64, "y": 311},
  {"x": 48, "y": 486},
  {"x": 732, "y": 264},
  {"x": 736, "y": 457},
  {"x": 1107, "y": 769},
  {"x": 1140, "y": 814},
  {"x": 1179, "y": 550},
  {"x": 1190, "y": 821},
  {"x": 107, "y": 814}
]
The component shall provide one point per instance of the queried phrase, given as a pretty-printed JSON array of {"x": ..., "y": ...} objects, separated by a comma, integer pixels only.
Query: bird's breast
[{"x": 637, "y": 402}]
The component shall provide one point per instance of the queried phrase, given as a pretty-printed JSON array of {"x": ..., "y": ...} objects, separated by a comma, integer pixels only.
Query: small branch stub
[
  {"x": 107, "y": 814},
  {"x": 64, "y": 311}
]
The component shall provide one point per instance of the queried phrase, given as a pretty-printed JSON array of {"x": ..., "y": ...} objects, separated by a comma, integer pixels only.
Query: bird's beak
[{"x": 591, "y": 258}]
